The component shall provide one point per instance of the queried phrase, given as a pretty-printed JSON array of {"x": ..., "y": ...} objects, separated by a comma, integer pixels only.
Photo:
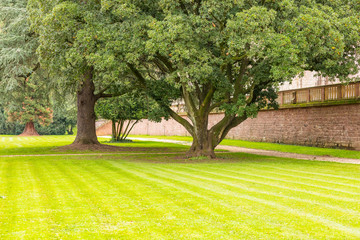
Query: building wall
[{"x": 325, "y": 126}]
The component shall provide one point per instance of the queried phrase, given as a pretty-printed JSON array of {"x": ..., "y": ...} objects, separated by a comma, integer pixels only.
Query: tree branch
[
  {"x": 205, "y": 105},
  {"x": 198, "y": 5},
  {"x": 236, "y": 121},
  {"x": 183, "y": 7},
  {"x": 166, "y": 62},
  {"x": 137, "y": 74},
  {"x": 237, "y": 86},
  {"x": 37, "y": 66},
  {"x": 182, "y": 121}
]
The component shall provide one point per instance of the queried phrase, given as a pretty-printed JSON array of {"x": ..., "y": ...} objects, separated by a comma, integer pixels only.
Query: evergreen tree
[
  {"x": 30, "y": 104},
  {"x": 21, "y": 82}
]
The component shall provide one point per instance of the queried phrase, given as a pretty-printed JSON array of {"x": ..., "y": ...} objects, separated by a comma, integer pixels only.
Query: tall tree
[
  {"x": 20, "y": 71},
  {"x": 72, "y": 46},
  {"x": 29, "y": 104},
  {"x": 231, "y": 55}
]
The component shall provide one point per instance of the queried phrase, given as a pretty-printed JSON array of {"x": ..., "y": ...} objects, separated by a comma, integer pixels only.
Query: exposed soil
[
  {"x": 26, "y": 134},
  {"x": 107, "y": 148},
  {"x": 181, "y": 158}
]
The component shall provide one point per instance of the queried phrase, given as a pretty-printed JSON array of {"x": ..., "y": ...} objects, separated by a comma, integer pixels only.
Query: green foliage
[
  {"x": 62, "y": 123},
  {"x": 130, "y": 106},
  {"x": 17, "y": 44},
  {"x": 233, "y": 54},
  {"x": 125, "y": 111},
  {"x": 22, "y": 87},
  {"x": 30, "y": 103},
  {"x": 9, "y": 128},
  {"x": 228, "y": 54},
  {"x": 72, "y": 38}
]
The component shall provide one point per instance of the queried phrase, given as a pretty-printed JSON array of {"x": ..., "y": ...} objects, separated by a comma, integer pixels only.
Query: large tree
[
  {"x": 71, "y": 36},
  {"x": 231, "y": 55},
  {"x": 29, "y": 104},
  {"x": 21, "y": 84},
  {"x": 214, "y": 54}
]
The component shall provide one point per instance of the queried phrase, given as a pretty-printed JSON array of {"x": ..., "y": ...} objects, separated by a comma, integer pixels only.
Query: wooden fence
[{"x": 320, "y": 94}]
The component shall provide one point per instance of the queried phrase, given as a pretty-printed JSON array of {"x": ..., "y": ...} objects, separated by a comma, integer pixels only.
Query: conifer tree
[{"x": 21, "y": 79}]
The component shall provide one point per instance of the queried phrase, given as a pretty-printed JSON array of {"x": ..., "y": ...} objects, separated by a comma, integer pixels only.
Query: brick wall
[{"x": 326, "y": 126}]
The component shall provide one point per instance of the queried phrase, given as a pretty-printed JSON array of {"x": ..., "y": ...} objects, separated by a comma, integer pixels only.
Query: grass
[
  {"x": 47, "y": 145},
  {"x": 131, "y": 197},
  {"x": 274, "y": 146},
  {"x": 152, "y": 196}
]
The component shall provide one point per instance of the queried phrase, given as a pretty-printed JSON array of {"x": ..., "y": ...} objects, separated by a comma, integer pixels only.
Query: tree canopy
[
  {"x": 72, "y": 46},
  {"x": 228, "y": 54}
]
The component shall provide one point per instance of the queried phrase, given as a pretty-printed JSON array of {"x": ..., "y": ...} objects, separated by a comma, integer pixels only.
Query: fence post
[
  {"x": 323, "y": 94},
  {"x": 339, "y": 91},
  {"x": 357, "y": 90},
  {"x": 294, "y": 100}
]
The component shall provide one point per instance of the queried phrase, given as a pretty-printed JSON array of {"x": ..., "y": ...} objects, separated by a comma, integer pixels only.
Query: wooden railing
[{"x": 320, "y": 94}]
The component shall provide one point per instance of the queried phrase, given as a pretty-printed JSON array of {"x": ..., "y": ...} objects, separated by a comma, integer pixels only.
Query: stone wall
[{"x": 325, "y": 126}]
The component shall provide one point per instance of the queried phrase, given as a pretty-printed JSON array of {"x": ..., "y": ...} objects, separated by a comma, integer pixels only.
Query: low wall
[{"x": 325, "y": 126}]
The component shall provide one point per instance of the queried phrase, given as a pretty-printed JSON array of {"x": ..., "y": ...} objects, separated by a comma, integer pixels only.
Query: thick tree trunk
[
  {"x": 86, "y": 130},
  {"x": 204, "y": 142},
  {"x": 202, "y": 146},
  {"x": 29, "y": 130}
]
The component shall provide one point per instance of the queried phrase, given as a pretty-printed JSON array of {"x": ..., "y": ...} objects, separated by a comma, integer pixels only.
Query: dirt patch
[
  {"x": 106, "y": 148},
  {"x": 180, "y": 158},
  {"x": 29, "y": 135}
]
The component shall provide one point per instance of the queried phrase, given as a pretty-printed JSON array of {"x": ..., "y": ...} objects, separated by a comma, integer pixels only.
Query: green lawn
[
  {"x": 274, "y": 146},
  {"x": 151, "y": 196},
  {"x": 48, "y": 144}
]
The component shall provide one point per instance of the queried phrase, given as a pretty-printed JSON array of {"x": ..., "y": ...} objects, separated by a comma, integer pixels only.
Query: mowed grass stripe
[
  {"x": 178, "y": 206},
  {"x": 22, "y": 197},
  {"x": 282, "y": 193},
  {"x": 71, "y": 210},
  {"x": 150, "y": 207},
  {"x": 262, "y": 169},
  {"x": 191, "y": 230},
  {"x": 56, "y": 198},
  {"x": 296, "y": 180},
  {"x": 117, "y": 215},
  {"x": 97, "y": 197},
  {"x": 225, "y": 210},
  {"x": 274, "y": 184},
  {"x": 319, "y": 207},
  {"x": 221, "y": 190},
  {"x": 334, "y": 176},
  {"x": 321, "y": 223}
]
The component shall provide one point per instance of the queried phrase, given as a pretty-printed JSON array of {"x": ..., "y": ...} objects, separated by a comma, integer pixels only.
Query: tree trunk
[
  {"x": 202, "y": 145},
  {"x": 29, "y": 130},
  {"x": 86, "y": 130},
  {"x": 113, "y": 130}
]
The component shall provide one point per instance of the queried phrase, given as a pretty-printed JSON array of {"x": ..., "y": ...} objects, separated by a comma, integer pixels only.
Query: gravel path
[{"x": 264, "y": 152}]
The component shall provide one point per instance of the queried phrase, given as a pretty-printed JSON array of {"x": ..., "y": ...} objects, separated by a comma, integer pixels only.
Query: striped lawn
[
  {"x": 15, "y": 145},
  {"x": 130, "y": 197}
]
